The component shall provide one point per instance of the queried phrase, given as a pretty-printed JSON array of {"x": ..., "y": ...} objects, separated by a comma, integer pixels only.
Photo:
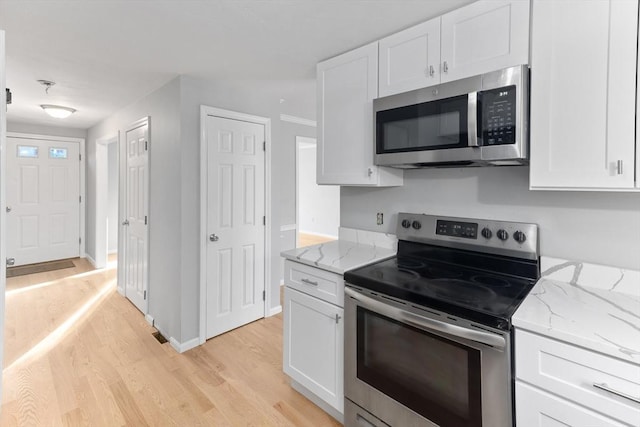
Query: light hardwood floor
[
  {"x": 311, "y": 239},
  {"x": 78, "y": 353}
]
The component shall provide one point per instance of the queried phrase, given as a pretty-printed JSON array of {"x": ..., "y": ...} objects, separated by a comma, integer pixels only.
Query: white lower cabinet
[
  {"x": 313, "y": 345},
  {"x": 560, "y": 384},
  {"x": 536, "y": 408}
]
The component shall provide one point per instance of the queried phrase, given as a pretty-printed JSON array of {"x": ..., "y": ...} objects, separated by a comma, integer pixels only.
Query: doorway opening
[
  {"x": 317, "y": 206},
  {"x": 107, "y": 201}
]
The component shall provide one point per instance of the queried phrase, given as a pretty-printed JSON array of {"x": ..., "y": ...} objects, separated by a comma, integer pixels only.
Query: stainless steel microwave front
[{"x": 471, "y": 146}]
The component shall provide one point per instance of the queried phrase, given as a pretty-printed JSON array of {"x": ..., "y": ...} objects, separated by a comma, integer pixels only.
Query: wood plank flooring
[
  {"x": 311, "y": 239},
  {"x": 77, "y": 353}
]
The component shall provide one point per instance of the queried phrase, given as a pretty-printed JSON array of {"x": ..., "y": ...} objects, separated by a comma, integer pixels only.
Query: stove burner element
[
  {"x": 394, "y": 275},
  {"x": 460, "y": 290},
  {"x": 491, "y": 281},
  {"x": 408, "y": 263}
]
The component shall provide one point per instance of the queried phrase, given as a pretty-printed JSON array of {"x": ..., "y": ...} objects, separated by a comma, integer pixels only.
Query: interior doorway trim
[
  {"x": 234, "y": 115},
  {"x": 83, "y": 195},
  {"x": 101, "y": 195}
]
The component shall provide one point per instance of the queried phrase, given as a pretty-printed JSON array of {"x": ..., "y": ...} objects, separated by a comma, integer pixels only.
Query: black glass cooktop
[{"x": 484, "y": 288}]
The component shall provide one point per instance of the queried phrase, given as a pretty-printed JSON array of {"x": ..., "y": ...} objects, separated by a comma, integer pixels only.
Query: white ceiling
[{"x": 106, "y": 54}]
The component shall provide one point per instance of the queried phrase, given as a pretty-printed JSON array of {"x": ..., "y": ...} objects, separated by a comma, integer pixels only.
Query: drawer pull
[
  {"x": 606, "y": 388},
  {"x": 309, "y": 282}
]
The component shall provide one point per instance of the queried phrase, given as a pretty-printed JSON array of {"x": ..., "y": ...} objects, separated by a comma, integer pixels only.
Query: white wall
[
  {"x": 46, "y": 130},
  {"x": 318, "y": 205},
  {"x": 112, "y": 198},
  {"x": 595, "y": 227}
]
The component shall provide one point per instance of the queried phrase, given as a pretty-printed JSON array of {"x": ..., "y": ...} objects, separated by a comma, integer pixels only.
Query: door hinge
[
  {"x": 79, "y": 240},
  {"x": 146, "y": 145},
  {"x": 145, "y": 220},
  {"x": 264, "y": 145},
  {"x": 145, "y": 294},
  {"x": 264, "y": 220},
  {"x": 80, "y": 157},
  {"x": 79, "y": 199},
  {"x": 264, "y": 295}
]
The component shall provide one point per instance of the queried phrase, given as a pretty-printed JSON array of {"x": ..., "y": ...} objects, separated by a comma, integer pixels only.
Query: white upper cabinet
[
  {"x": 410, "y": 59},
  {"x": 484, "y": 36},
  {"x": 347, "y": 85},
  {"x": 583, "y": 94}
]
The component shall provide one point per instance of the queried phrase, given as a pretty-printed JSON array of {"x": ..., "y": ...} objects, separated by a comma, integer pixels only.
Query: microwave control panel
[{"x": 497, "y": 116}]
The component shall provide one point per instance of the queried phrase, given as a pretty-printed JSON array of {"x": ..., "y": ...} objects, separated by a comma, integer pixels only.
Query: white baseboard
[
  {"x": 149, "y": 319},
  {"x": 91, "y": 260},
  {"x": 182, "y": 347},
  {"x": 121, "y": 291},
  {"x": 275, "y": 310}
]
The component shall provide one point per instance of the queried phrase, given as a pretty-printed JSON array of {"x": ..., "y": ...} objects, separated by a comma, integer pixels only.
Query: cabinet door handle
[
  {"x": 445, "y": 67},
  {"x": 619, "y": 167},
  {"x": 338, "y": 317},
  {"x": 431, "y": 70},
  {"x": 608, "y": 389},
  {"x": 309, "y": 282}
]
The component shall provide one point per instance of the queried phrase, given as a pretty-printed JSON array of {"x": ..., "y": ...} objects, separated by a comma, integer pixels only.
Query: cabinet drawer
[
  {"x": 573, "y": 373},
  {"x": 536, "y": 408},
  {"x": 314, "y": 281}
]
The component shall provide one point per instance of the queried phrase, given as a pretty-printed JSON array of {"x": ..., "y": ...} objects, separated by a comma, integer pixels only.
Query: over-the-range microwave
[{"x": 477, "y": 121}]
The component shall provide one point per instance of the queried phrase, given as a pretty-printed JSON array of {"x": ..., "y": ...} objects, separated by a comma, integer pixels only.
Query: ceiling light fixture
[{"x": 57, "y": 111}]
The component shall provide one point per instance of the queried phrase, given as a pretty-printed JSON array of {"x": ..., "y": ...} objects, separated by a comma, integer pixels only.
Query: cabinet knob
[
  {"x": 369, "y": 171},
  {"x": 445, "y": 67},
  {"x": 431, "y": 71},
  {"x": 619, "y": 167},
  {"x": 338, "y": 318}
]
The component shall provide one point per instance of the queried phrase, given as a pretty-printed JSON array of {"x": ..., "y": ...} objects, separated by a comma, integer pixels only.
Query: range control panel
[{"x": 501, "y": 237}]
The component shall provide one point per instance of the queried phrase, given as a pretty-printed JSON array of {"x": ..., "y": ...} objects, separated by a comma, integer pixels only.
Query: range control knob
[
  {"x": 405, "y": 223},
  {"x": 519, "y": 236},
  {"x": 416, "y": 225},
  {"x": 486, "y": 233},
  {"x": 502, "y": 235}
]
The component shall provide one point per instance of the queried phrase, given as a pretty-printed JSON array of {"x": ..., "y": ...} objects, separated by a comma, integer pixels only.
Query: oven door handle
[{"x": 425, "y": 323}]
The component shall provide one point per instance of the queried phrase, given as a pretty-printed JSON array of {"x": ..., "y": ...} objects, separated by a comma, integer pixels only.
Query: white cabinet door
[
  {"x": 536, "y": 408},
  {"x": 583, "y": 89},
  {"x": 410, "y": 59},
  {"x": 313, "y": 345},
  {"x": 484, "y": 36},
  {"x": 347, "y": 85}
]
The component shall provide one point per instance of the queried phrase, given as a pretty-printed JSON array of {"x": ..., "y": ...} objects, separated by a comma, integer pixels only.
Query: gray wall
[
  {"x": 46, "y": 130},
  {"x": 595, "y": 227},
  {"x": 112, "y": 198},
  {"x": 165, "y": 210}
]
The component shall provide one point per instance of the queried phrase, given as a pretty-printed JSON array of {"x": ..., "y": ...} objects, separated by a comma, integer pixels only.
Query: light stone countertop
[
  {"x": 595, "y": 307},
  {"x": 339, "y": 256}
]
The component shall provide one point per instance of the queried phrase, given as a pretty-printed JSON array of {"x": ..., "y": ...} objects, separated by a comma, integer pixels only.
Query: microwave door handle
[
  {"x": 472, "y": 120},
  {"x": 425, "y": 323}
]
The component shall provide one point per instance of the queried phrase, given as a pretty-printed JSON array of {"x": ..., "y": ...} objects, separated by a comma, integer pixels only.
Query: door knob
[
  {"x": 125, "y": 222},
  {"x": 213, "y": 238}
]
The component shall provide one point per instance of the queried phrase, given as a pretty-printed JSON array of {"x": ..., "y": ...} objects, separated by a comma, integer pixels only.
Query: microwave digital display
[{"x": 497, "y": 116}]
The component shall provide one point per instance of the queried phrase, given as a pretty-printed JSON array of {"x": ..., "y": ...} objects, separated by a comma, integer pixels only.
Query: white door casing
[
  {"x": 235, "y": 212},
  {"x": 135, "y": 227},
  {"x": 44, "y": 198}
]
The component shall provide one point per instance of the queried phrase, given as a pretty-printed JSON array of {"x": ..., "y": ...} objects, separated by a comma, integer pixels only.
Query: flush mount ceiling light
[{"x": 57, "y": 111}]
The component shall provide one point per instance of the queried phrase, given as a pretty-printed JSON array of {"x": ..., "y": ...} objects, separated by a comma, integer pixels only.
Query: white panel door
[
  {"x": 235, "y": 212},
  {"x": 43, "y": 200},
  {"x": 484, "y": 36},
  {"x": 135, "y": 228},
  {"x": 410, "y": 59},
  {"x": 583, "y": 94}
]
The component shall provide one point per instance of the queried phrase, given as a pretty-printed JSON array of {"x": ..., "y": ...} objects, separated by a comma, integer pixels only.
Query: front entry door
[
  {"x": 235, "y": 222},
  {"x": 135, "y": 226},
  {"x": 43, "y": 200}
]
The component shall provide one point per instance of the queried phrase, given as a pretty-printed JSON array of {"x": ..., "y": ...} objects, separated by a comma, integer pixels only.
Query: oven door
[{"x": 407, "y": 366}]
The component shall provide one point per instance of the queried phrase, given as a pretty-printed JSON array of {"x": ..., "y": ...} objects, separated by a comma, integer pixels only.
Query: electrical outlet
[{"x": 379, "y": 218}]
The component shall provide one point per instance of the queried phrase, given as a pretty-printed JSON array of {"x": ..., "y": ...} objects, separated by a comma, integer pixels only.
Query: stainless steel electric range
[{"x": 428, "y": 335}]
